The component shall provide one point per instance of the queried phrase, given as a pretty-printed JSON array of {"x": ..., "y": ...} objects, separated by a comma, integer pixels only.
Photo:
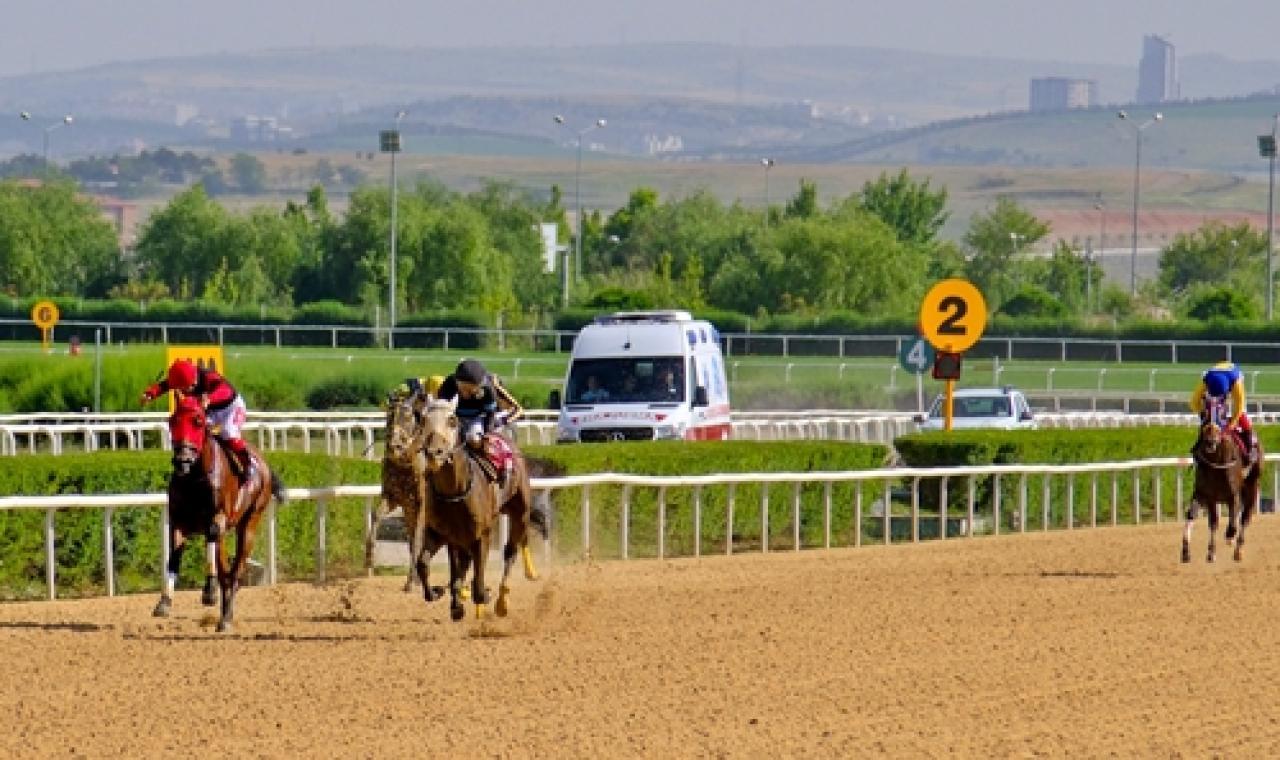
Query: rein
[{"x": 471, "y": 477}]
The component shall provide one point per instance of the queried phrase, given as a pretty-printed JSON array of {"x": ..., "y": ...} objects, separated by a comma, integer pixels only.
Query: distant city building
[
  {"x": 1157, "y": 71},
  {"x": 258, "y": 129},
  {"x": 1061, "y": 93}
]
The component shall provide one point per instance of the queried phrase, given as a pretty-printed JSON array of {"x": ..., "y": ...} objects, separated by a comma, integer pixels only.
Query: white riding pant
[{"x": 228, "y": 420}]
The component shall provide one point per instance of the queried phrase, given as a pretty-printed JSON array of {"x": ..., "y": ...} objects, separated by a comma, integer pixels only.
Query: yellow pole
[{"x": 950, "y": 395}]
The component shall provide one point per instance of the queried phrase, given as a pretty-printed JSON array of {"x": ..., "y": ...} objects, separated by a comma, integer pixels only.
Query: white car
[{"x": 982, "y": 408}]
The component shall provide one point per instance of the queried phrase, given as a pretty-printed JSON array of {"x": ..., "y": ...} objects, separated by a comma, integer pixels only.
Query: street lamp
[
  {"x": 65, "y": 122},
  {"x": 767, "y": 163},
  {"x": 1267, "y": 147},
  {"x": 1137, "y": 168},
  {"x": 389, "y": 142},
  {"x": 577, "y": 193}
]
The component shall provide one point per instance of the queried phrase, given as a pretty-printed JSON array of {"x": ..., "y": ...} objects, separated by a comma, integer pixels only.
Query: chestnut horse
[
  {"x": 205, "y": 497},
  {"x": 464, "y": 504},
  {"x": 1222, "y": 476}
]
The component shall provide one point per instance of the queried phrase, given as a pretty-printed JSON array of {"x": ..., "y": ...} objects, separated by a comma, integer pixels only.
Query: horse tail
[
  {"x": 277, "y": 488},
  {"x": 539, "y": 520}
]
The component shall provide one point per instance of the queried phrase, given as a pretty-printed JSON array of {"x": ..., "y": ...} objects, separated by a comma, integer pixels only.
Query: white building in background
[
  {"x": 1157, "y": 71},
  {"x": 1061, "y": 93}
]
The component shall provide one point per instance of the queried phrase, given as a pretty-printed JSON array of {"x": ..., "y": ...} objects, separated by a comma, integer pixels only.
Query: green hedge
[
  {"x": 136, "y": 531},
  {"x": 1055, "y": 446},
  {"x": 81, "y": 569},
  {"x": 692, "y": 458}
]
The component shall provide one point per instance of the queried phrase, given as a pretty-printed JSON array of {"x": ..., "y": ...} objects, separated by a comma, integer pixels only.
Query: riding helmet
[
  {"x": 1217, "y": 383},
  {"x": 182, "y": 374},
  {"x": 470, "y": 371}
]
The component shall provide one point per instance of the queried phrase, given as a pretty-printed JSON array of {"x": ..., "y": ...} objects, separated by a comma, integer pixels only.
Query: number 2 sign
[{"x": 953, "y": 315}]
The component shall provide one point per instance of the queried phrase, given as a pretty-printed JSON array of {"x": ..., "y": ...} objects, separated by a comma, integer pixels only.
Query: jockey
[
  {"x": 412, "y": 386},
  {"x": 223, "y": 405},
  {"x": 1219, "y": 381},
  {"x": 484, "y": 406}
]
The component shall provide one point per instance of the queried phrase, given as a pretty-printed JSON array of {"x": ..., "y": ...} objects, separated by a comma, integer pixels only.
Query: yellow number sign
[
  {"x": 205, "y": 357},
  {"x": 953, "y": 315},
  {"x": 45, "y": 315}
]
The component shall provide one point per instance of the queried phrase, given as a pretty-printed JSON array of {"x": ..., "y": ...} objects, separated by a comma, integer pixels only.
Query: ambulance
[{"x": 645, "y": 376}]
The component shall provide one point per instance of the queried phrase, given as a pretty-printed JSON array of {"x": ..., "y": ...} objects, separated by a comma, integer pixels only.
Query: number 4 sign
[
  {"x": 953, "y": 315},
  {"x": 916, "y": 356}
]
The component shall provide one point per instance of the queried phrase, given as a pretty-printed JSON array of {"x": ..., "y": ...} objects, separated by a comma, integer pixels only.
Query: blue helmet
[{"x": 1217, "y": 383}]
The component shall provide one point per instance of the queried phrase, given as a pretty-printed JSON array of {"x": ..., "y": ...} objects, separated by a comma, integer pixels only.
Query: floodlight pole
[
  {"x": 1137, "y": 169},
  {"x": 1269, "y": 150},
  {"x": 391, "y": 144}
]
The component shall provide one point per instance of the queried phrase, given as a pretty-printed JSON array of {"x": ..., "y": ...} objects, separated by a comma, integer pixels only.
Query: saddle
[{"x": 498, "y": 457}]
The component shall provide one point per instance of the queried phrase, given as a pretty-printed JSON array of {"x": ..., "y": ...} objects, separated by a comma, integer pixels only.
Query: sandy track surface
[{"x": 1065, "y": 644}]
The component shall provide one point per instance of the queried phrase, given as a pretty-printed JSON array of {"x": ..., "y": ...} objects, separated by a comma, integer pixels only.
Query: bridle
[{"x": 438, "y": 448}]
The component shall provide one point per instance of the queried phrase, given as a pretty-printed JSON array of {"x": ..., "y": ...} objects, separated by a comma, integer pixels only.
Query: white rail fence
[
  {"x": 358, "y": 434},
  {"x": 1148, "y": 503}
]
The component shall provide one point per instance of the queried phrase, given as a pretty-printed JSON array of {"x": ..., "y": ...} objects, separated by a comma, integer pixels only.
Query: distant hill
[
  {"x": 688, "y": 100},
  {"x": 1212, "y": 135}
]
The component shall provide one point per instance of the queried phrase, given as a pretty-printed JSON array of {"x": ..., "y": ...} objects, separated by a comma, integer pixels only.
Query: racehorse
[
  {"x": 1223, "y": 475},
  {"x": 464, "y": 506},
  {"x": 205, "y": 497},
  {"x": 401, "y": 475}
]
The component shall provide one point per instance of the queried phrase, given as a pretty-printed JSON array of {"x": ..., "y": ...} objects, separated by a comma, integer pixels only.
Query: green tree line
[{"x": 874, "y": 251}]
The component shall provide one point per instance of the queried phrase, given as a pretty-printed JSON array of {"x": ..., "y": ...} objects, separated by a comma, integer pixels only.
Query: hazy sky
[{"x": 42, "y": 35}]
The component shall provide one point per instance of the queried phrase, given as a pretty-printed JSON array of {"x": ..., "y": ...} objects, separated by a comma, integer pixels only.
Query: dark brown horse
[
  {"x": 205, "y": 497},
  {"x": 464, "y": 504},
  {"x": 1223, "y": 476}
]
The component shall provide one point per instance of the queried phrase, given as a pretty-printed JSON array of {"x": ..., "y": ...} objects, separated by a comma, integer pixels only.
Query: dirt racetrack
[{"x": 1082, "y": 644}]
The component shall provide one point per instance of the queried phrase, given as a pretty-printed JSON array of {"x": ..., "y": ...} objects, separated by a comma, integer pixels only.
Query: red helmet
[{"x": 182, "y": 375}]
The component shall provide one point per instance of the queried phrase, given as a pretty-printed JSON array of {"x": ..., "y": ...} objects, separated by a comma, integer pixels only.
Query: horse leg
[
  {"x": 212, "y": 546},
  {"x": 1212, "y": 508},
  {"x": 518, "y": 537},
  {"x": 417, "y": 545},
  {"x": 231, "y": 575},
  {"x": 1248, "y": 502},
  {"x": 174, "y": 564},
  {"x": 411, "y": 522},
  {"x": 371, "y": 538},
  {"x": 479, "y": 594},
  {"x": 457, "y": 574}
]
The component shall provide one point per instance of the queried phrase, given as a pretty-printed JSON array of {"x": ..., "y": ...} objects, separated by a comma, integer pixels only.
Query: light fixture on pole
[
  {"x": 1137, "y": 168},
  {"x": 577, "y": 194},
  {"x": 767, "y": 163},
  {"x": 1267, "y": 147},
  {"x": 389, "y": 142},
  {"x": 64, "y": 122}
]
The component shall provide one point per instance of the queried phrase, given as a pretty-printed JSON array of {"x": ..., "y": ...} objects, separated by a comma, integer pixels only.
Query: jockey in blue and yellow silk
[{"x": 1220, "y": 381}]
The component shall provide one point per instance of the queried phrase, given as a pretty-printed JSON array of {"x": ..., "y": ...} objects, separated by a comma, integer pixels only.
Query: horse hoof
[
  {"x": 1231, "y": 533},
  {"x": 433, "y": 593},
  {"x": 481, "y": 612},
  {"x": 209, "y": 597},
  {"x": 162, "y": 608},
  {"x": 1239, "y": 556},
  {"x": 500, "y": 606},
  {"x": 457, "y": 612},
  {"x": 1186, "y": 557},
  {"x": 224, "y": 626}
]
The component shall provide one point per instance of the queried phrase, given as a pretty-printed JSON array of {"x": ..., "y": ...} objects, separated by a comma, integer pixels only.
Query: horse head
[
  {"x": 404, "y": 415},
  {"x": 1213, "y": 423},
  {"x": 441, "y": 432},
  {"x": 187, "y": 427}
]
